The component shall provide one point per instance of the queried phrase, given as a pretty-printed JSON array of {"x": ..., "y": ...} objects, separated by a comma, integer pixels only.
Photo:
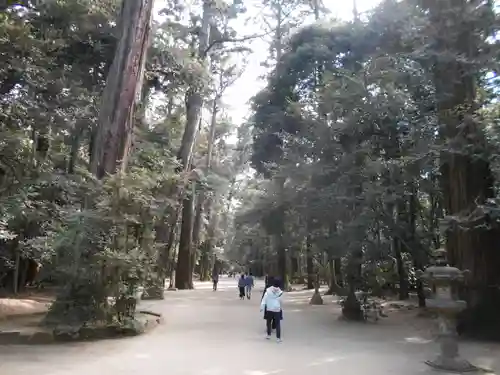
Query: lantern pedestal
[
  {"x": 449, "y": 357},
  {"x": 443, "y": 281}
]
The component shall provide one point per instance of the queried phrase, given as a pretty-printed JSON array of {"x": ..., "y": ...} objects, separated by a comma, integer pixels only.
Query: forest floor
[
  {"x": 23, "y": 305},
  {"x": 214, "y": 333}
]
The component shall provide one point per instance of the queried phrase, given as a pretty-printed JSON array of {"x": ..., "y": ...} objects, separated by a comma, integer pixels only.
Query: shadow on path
[{"x": 214, "y": 333}]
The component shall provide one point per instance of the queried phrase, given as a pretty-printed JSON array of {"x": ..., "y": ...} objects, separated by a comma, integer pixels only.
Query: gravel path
[{"x": 214, "y": 333}]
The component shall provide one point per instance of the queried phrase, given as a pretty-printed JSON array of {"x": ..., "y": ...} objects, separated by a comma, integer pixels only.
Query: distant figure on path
[
  {"x": 215, "y": 280},
  {"x": 271, "y": 304},
  {"x": 249, "y": 285},
  {"x": 241, "y": 286}
]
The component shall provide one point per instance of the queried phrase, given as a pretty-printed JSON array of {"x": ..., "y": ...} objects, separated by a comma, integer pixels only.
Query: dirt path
[{"x": 214, "y": 333}]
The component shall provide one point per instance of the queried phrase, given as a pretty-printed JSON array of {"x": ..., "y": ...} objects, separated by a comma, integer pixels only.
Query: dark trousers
[
  {"x": 242, "y": 291},
  {"x": 273, "y": 326},
  {"x": 273, "y": 319}
]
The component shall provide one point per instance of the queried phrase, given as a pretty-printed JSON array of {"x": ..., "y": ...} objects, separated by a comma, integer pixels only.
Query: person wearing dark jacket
[
  {"x": 241, "y": 286},
  {"x": 249, "y": 285},
  {"x": 215, "y": 280}
]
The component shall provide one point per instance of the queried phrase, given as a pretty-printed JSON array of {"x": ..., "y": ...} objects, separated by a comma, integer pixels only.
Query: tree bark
[
  {"x": 194, "y": 104},
  {"x": 212, "y": 225},
  {"x": 331, "y": 282},
  {"x": 122, "y": 91},
  {"x": 184, "y": 257},
  {"x": 309, "y": 262},
  {"x": 335, "y": 283},
  {"x": 202, "y": 200},
  {"x": 75, "y": 146},
  {"x": 418, "y": 254},
  {"x": 398, "y": 249},
  {"x": 111, "y": 145},
  {"x": 338, "y": 272},
  {"x": 466, "y": 179},
  {"x": 352, "y": 307},
  {"x": 294, "y": 262},
  {"x": 402, "y": 277},
  {"x": 279, "y": 240},
  {"x": 196, "y": 235}
]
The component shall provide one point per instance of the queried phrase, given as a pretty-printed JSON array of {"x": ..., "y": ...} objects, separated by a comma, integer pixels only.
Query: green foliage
[
  {"x": 100, "y": 241},
  {"x": 352, "y": 119},
  {"x": 109, "y": 247},
  {"x": 97, "y": 239}
]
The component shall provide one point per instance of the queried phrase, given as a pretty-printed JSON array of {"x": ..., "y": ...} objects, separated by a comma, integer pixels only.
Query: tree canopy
[{"x": 373, "y": 143}]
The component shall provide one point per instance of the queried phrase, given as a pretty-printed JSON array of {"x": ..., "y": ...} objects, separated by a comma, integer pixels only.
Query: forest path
[{"x": 214, "y": 333}]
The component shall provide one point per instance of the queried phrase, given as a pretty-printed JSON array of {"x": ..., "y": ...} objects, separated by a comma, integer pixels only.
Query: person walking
[
  {"x": 241, "y": 286},
  {"x": 270, "y": 279},
  {"x": 215, "y": 280},
  {"x": 271, "y": 304},
  {"x": 249, "y": 285}
]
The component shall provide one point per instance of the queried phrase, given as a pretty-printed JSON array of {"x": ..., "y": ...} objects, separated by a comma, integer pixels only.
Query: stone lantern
[{"x": 444, "y": 281}]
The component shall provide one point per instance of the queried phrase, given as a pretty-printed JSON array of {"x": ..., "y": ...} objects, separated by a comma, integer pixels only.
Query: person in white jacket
[{"x": 271, "y": 303}]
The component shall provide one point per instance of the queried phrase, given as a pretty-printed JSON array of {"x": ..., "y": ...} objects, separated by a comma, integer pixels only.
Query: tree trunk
[
  {"x": 155, "y": 288},
  {"x": 335, "y": 284},
  {"x": 212, "y": 225},
  {"x": 419, "y": 256},
  {"x": 111, "y": 144},
  {"x": 436, "y": 212},
  {"x": 331, "y": 282},
  {"x": 282, "y": 263},
  {"x": 402, "y": 277},
  {"x": 202, "y": 200},
  {"x": 194, "y": 104},
  {"x": 204, "y": 262},
  {"x": 122, "y": 91},
  {"x": 184, "y": 257},
  {"x": 338, "y": 272},
  {"x": 75, "y": 146},
  {"x": 294, "y": 262},
  {"x": 466, "y": 179},
  {"x": 165, "y": 234},
  {"x": 196, "y": 235},
  {"x": 398, "y": 250},
  {"x": 352, "y": 307},
  {"x": 309, "y": 262},
  {"x": 277, "y": 227},
  {"x": 17, "y": 265}
]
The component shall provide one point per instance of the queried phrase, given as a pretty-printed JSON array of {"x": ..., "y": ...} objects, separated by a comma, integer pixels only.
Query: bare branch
[{"x": 234, "y": 40}]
